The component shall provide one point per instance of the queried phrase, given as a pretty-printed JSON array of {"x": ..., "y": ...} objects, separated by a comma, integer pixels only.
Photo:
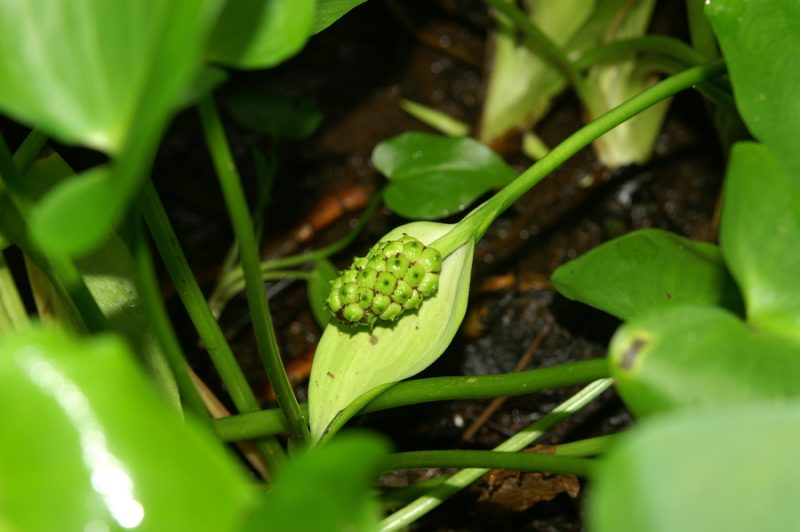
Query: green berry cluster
[{"x": 395, "y": 276}]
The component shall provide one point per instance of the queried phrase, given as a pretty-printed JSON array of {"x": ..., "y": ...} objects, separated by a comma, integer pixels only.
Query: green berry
[
  {"x": 392, "y": 312},
  {"x": 413, "y": 250},
  {"x": 414, "y": 301},
  {"x": 393, "y": 249},
  {"x": 431, "y": 260},
  {"x": 365, "y": 296},
  {"x": 377, "y": 263},
  {"x": 349, "y": 293},
  {"x": 429, "y": 284},
  {"x": 397, "y": 265},
  {"x": 380, "y": 303},
  {"x": 395, "y": 276},
  {"x": 334, "y": 301},
  {"x": 414, "y": 275},
  {"x": 385, "y": 283},
  {"x": 353, "y": 313},
  {"x": 367, "y": 277}
]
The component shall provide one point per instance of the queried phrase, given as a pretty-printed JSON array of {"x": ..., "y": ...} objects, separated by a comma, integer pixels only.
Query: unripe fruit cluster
[{"x": 395, "y": 276}]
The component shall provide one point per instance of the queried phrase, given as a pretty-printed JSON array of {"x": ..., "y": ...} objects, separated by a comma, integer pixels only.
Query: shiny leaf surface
[{"x": 85, "y": 435}]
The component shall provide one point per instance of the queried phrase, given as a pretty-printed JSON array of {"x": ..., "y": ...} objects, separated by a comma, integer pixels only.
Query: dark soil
[{"x": 433, "y": 53}]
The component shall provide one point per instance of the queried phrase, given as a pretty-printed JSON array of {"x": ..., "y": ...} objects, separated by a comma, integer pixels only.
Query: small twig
[{"x": 496, "y": 403}]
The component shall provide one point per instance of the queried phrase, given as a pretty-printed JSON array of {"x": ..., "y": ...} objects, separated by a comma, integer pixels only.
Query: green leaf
[
  {"x": 206, "y": 81},
  {"x": 123, "y": 459},
  {"x": 760, "y": 44},
  {"x": 76, "y": 214},
  {"x": 84, "y": 71},
  {"x": 254, "y": 34},
  {"x": 110, "y": 276},
  {"x": 277, "y": 115},
  {"x": 328, "y": 488},
  {"x": 329, "y": 11},
  {"x": 760, "y": 236},
  {"x": 431, "y": 176},
  {"x": 648, "y": 270},
  {"x": 352, "y": 365},
  {"x": 319, "y": 286},
  {"x": 732, "y": 469},
  {"x": 699, "y": 355}
]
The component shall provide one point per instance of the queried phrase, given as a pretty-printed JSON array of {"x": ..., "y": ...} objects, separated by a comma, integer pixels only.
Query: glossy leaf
[
  {"x": 329, "y": 11},
  {"x": 353, "y": 364},
  {"x": 82, "y": 70},
  {"x": 123, "y": 459},
  {"x": 760, "y": 236},
  {"x": 732, "y": 469},
  {"x": 328, "y": 488},
  {"x": 431, "y": 176},
  {"x": 760, "y": 43},
  {"x": 648, "y": 270},
  {"x": 319, "y": 286},
  {"x": 277, "y": 115},
  {"x": 255, "y": 34},
  {"x": 701, "y": 355}
]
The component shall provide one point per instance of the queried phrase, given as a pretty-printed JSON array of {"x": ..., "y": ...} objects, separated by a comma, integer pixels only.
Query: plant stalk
[
  {"x": 475, "y": 224},
  {"x": 518, "y": 461},
  {"x": 248, "y": 252},
  {"x": 422, "y": 505},
  {"x": 418, "y": 391}
]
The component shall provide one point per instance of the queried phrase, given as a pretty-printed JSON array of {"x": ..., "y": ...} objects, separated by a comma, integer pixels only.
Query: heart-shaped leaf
[
  {"x": 261, "y": 33},
  {"x": 699, "y": 355},
  {"x": 732, "y": 469},
  {"x": 431, "y": 176},
  {"x": 352, "y": 363},
  {"x": 760, "y": 236},
  {"x": 81, "y": 70},
  {"x": 648, "y": 270},
  {"x": 760, "y": 43},
  {"x": 124, "y": 459}
]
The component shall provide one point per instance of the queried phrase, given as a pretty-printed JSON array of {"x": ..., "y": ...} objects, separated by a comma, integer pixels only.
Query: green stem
[
  {"x": 419, "y": 391},
  {"x": 249, "y": 257},
  {"x": 549, "y": 51},
  {"x": 150, "y": 297},
  {"x": 195, "y": 304},
  {"x": 587, "y": 447},
  {"x": 235, "y": 276},
  {"x": 219, "y": 299},
  {"x": 475, "y": 224},
  {"x": 622, "y": 48},
  {"x": 13, "y": 311},
  {"x": 529, "y": 462},
  {"x": 422, "y": 505}
]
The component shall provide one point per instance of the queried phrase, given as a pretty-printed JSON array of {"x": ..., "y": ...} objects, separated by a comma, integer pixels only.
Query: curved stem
[
  {"x": 422, "y": 505},
  {"x": 477, "y": 222},
  {"x": 615, "y": 50},
  {"x": 530, "y": 462},
  {"x": 419, "y": 391},
  {"x": 248, "y": 252}
]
